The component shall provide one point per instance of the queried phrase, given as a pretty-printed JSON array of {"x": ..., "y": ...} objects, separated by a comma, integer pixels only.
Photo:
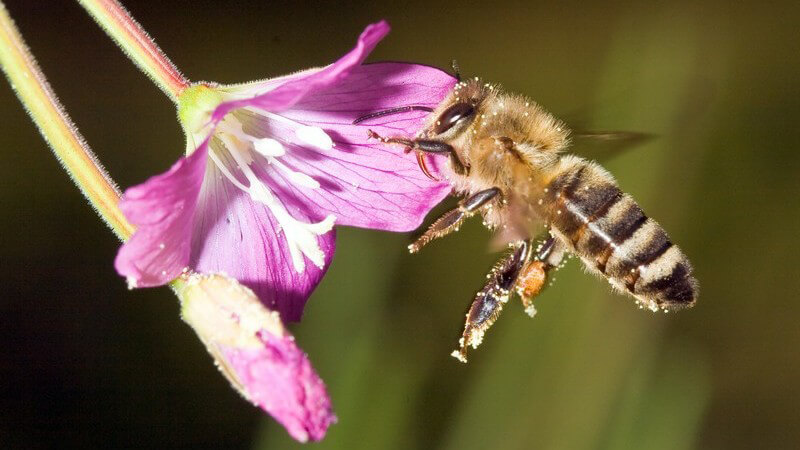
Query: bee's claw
[{"x": 424, "y": 166}]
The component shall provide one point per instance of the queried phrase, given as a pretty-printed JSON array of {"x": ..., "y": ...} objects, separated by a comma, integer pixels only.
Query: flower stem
[
  {"x": 56, "y": 127},
  {"x": 135, "y": 42}
]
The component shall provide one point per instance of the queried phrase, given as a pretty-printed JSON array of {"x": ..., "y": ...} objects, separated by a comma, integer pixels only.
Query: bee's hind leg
[
  {"x": 452, "y": 219},
  {"x": 524, "y": 271},
  {"x": 533, "y": 276},
  {"x": 490, "y": 300}
]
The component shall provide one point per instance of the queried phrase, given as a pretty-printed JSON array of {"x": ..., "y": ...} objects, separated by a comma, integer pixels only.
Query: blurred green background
[{"x": 85, "y": 362}]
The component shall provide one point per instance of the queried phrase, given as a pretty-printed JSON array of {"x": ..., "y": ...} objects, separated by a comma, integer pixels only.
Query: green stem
[
  {"x": 56, "y": 127},
  {"x": 140, "y": 48}
]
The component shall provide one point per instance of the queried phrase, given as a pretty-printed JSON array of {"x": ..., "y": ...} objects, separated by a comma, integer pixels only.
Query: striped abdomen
[{"x": 608, "y": 230}]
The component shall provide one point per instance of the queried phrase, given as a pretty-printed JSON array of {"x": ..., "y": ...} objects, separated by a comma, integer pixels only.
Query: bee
[{"x": 506, "y": 158}]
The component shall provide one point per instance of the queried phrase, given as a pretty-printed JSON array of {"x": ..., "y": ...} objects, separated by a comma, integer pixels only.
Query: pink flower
[
  {"x": 257, "y": 355},
  {"x": 271, "y": 166}
]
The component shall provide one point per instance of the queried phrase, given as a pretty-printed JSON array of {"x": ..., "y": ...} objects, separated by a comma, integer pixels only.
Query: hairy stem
[
  {"x": 57, "y": 129},
  {"x": 137, "y": 44}
]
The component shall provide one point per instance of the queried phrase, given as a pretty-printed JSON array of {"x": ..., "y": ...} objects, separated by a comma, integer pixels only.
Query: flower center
[{"x": 244, "y": 135}]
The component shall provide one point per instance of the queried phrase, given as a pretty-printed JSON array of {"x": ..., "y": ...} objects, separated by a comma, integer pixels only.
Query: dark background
[{"x": 85, "y": 362}]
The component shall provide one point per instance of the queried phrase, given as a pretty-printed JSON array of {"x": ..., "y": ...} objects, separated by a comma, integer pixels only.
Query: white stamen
[
  {"x": 269, "y": 147},
  {"x": 301, "y": 237},
  {"x": 297, "y": 177},
  {"x": 224, "y": 169},
  {"x": 308, "y": 134},
  {"x": 315, "y": 136},
  {"x": 261, "y": 194},
  {"x": 303, "y": 179}
]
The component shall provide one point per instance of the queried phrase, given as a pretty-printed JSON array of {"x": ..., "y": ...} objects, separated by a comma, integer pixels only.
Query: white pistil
[{"x": 301, "y": 237}]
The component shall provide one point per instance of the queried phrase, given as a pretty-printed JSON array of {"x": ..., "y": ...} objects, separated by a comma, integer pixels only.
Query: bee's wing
[
  {"x": 521, "y": 222},
  {"x": 606, "y": 144}
]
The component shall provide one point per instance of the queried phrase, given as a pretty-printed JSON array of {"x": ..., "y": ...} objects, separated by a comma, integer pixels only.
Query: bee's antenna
[{"x": 456, "y": 70}]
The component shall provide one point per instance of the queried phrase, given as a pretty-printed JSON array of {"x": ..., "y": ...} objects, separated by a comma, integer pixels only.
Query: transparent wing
[{"x": 606, "y": 144}]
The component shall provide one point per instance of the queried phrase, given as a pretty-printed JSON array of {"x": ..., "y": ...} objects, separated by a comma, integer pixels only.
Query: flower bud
[{"x": 256, "y": 354}]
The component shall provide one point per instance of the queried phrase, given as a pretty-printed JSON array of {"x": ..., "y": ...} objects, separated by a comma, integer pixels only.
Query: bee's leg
[
  {"x": 490, "y": 300},
  {"x": 423, "y": 145},
  {"x": 452, "y": 219},
  {"x": 426, "y": 146},
  {"x": 389, "y": 112},
  {"x": 533, "y": 276}
]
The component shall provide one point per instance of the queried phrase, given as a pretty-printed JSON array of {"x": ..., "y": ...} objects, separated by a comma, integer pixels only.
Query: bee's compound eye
[{"x": 453, "y": 115}]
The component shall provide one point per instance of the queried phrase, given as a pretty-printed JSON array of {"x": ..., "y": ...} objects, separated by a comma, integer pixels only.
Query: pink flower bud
[{"x": 256, "y": 354}]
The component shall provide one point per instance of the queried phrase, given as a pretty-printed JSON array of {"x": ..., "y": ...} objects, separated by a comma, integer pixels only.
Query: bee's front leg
[
  {"x": 452, "y": 219},
  {"x": 423, "y": 146},
  {"x": 490, "y": 300}
]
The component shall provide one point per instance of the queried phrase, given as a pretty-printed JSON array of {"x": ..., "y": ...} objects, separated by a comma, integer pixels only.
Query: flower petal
[
  {"x": 257, "y": 355},
  {"x": 297, "y": 86},
  {"x": 364, "y": 182},
  {"x": 239, "y": 237},
  {"x": 280, "y": 379},
  {"x": 162, "y": 208}
]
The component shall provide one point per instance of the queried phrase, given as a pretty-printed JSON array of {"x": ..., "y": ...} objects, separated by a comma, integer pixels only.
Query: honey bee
[{"x": 506, "y": 159}]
